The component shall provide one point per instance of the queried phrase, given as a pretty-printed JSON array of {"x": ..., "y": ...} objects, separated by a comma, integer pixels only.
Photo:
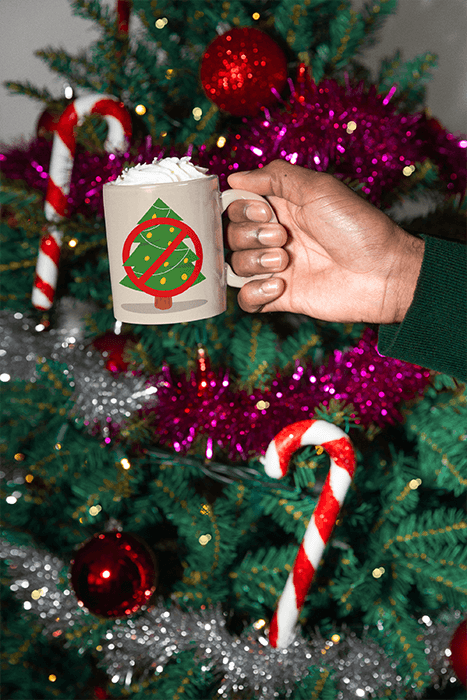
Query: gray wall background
[{"x": 439, "y": 26}]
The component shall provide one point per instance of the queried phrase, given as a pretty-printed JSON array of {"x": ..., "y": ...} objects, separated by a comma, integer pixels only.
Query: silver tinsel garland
[
  {"x": 100, "y": 399},
  {"x": 134, "y": 648}
]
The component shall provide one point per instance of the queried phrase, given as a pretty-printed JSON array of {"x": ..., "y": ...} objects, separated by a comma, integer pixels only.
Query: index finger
[
  {"x": 249, "y": 210},
  {"x": 281, "y": 179}
]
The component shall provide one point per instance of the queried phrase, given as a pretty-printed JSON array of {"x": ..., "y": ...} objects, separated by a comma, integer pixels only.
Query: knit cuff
[{"x": 434, "y": 330}]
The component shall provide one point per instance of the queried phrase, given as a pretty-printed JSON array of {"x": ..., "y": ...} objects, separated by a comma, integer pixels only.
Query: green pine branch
[
  {"x": 29, "y": 90},
  {"x": 374, "y": 15},
  {"x": 253, "y": 352},
  {"x": 410, "y": 77}
]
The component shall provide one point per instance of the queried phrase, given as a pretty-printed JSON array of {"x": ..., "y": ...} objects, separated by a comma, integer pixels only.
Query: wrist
[{"x": 402, "y": 281}]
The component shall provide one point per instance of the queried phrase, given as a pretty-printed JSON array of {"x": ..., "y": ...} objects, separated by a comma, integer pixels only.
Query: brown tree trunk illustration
[{"x": 163, "y": 303}]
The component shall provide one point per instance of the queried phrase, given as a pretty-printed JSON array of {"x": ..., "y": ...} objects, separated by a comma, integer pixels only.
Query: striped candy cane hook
[
  {"x": 61, "y": 164},
  {"x": 276, "y": 463}
]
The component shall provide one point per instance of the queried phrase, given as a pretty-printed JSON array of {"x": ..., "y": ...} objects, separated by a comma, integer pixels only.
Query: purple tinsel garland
[
  {"x": 348, "y": 130},
  {"x": 351, "y": 131},
  {"x": 30, "y": 163},
  {"x": 243, "y": 423}
]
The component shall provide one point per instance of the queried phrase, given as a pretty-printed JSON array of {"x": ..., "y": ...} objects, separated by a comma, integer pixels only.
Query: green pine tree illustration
[{"x": 152, "y": 243}]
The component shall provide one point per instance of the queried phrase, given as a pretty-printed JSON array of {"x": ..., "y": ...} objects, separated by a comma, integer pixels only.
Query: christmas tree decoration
[
  {"x": 322, "y": 127},
  {"x": 61, "y": 164},
  {"x": 48, "y": 121},
  {"x": 158, "y": 634},
  {"x": 90, "y": 171},
  {"x": 113, "y": 347},
  {"x": 204, "y": 373},
  {"x": 240, "y": 422},
  {"x": 113, "y": 574},
  {"x": 243, "y": 70},
  {"x": 102, "y": 403},
  {"x": 458, "y": 655},
  {"x": 276, "y": 463},
  {"x": 159, "y": 232},
  {"x": 123, "y": 15}
]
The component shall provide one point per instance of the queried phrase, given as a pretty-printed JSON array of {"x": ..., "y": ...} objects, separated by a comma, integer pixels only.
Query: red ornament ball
[
  {"x": 113, "y": 348},
  {"x": 239, "y": 70},
  {"x": 113, "y": 574},
  {"x": 458, "y": 647},
  {"x": 100, "y": 693}
]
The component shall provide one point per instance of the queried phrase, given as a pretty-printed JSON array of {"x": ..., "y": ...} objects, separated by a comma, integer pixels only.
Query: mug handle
[{"x": 227, "y": 198}]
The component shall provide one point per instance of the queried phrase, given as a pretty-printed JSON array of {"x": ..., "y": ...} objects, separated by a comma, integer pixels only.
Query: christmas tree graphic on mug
[{"x": 162, "y": 264}]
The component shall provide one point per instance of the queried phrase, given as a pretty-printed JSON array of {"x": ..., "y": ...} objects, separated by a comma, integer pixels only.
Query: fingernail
[
  {"x": 257, "y": 212},
  {"x": 269, "y": 287},
  {"x": 269, "y": 238},
  {"x": 270, "y": 260}
]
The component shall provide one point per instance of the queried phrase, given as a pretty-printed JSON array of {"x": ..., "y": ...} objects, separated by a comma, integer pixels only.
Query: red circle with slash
[{"x": 185, "y": 231}]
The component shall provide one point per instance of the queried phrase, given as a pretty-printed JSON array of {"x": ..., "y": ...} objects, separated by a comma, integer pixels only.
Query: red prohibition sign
[{"x": 185, "y": 231}]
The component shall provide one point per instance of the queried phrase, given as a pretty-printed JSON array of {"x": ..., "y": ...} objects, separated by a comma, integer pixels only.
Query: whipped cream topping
[{"x": 160, "y": 171}]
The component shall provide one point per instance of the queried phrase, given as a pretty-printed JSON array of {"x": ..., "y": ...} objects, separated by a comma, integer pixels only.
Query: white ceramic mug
[{"x": 166, "y": 252}]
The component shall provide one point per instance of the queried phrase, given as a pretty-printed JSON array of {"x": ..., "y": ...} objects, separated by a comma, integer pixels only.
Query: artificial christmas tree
[{"x": 169, "y": 452}]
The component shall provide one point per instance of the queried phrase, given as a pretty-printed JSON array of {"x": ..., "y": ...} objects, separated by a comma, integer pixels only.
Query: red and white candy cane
[
  {"x": 61, "y": 164},
  {"x": 276, "y": 463}
]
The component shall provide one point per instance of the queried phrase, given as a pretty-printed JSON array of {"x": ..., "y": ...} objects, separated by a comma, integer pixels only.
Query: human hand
[{"x": 333, "y": 256}]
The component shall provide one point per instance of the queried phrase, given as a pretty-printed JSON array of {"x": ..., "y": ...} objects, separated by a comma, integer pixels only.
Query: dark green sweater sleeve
[{"x": 433, "y": 333}]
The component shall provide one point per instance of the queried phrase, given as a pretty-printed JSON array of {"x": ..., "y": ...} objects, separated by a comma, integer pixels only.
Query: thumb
[{"x": 279, "y": 178}]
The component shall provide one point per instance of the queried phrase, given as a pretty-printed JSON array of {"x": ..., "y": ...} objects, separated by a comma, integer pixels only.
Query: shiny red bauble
[
  {"x": 113, "y": 348},
  {"x": 113, "y": 574},
  {"x": 458, "y": 647},
  {"x": 239, "y": 70}
]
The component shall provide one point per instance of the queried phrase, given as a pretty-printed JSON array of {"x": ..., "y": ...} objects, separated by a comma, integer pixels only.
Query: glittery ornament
[
  {"x": 458, "y": 647},
  {"x": 351, "y": 131},
  {"x": 100, "y": 693},
  {"x": 243, "y": 70},
  {"x": 113, "y": 574}
]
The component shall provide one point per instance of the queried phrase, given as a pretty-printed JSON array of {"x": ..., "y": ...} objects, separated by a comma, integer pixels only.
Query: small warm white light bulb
[
  {"x": 204, "y": 539},
  {"x": 259, "y": 624},
  {"x": 414, "y": 484}
]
